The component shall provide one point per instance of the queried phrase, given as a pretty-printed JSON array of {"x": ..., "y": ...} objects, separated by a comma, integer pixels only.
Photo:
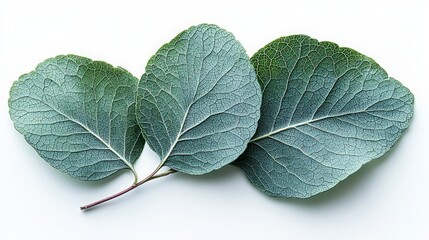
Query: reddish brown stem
[{"x": 147, "y": 179}]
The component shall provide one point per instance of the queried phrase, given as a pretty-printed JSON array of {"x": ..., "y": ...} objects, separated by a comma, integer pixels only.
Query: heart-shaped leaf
[
  {"x": 198, "y": 102},
  {"x": 325, "y": 111},
  {"x": 79, "y": 115}
]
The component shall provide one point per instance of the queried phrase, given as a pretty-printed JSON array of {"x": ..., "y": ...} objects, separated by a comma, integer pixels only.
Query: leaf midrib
[
  {"x": 177, "y": 137},
  {"x": 302, "y": 123},
  {"x": 122, "y": 158}
]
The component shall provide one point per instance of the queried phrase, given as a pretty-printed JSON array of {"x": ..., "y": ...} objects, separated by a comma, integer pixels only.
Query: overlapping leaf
[
  {"x": 198, "y": 102},
  {"x": 325, "y": 111},
  {"x": 79, "y": 115}
]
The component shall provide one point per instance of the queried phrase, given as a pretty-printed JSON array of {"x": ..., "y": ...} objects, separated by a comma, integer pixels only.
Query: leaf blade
[
  {"x": 326, "y": 111},
  {"x": 78, "y": 115},
  {"x": 192, "y": 100}
]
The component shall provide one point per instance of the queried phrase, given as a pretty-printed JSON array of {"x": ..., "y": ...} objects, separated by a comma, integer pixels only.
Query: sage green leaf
[
  {"x": 79, "y": 115},
  {"x": 198, "y": 102},
  {"x": 325, "y": 111}
]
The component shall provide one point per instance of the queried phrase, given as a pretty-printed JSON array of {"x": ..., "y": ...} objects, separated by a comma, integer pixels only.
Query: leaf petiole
[{"x": 150, "y": 177}]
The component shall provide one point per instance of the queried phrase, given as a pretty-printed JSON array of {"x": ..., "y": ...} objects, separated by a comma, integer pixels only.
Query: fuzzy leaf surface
[
  {"x": 79, "y": 115},
  {"x": 199, "y": 101},
  {"x": 325, "y": 112}
]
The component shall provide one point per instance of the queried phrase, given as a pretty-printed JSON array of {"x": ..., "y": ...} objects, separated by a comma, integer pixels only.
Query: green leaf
[
  {"x": 325, "y": 111},
  {"x": 79, "y": 115},
  {"x": 198, "y": 102}
]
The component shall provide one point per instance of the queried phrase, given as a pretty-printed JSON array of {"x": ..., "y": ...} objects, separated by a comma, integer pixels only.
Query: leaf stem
[
  {"x": 136, "y": 178},
  {"x": 151, "y": 176}
]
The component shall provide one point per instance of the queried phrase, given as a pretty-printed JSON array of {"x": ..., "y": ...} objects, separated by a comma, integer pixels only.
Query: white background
[{"x": 387, "y": 199}]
